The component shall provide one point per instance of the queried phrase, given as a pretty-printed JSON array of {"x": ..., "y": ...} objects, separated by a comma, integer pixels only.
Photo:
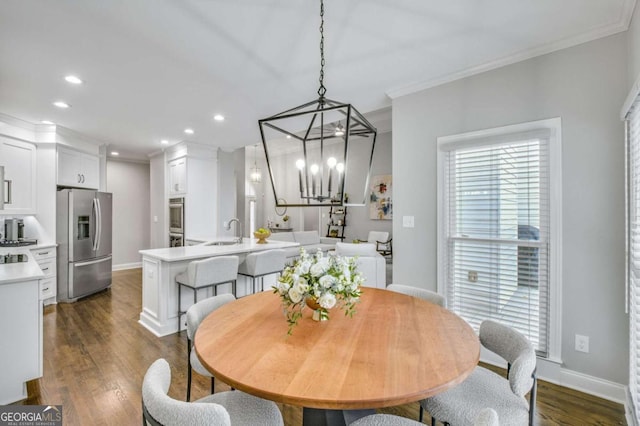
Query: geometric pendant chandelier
[{"x": 319, "y": 153}]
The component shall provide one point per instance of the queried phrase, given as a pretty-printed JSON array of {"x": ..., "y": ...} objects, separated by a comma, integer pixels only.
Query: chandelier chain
[{"x": 322, "y": 90}]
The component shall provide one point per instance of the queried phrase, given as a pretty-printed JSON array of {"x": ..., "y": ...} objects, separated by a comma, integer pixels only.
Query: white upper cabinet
[
  {"x": 19, "y": 161},
  {"x": 178, "y": 176},
  {"x": 77, "y": 169}
]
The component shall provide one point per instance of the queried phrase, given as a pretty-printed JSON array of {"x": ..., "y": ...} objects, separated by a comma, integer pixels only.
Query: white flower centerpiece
[{"x": 320, "y": 281}]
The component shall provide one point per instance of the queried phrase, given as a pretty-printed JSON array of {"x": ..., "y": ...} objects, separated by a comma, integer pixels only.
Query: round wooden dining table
[{"x": 395, "y": 349}]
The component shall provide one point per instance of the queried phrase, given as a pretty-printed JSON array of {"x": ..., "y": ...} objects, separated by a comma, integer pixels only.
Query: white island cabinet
[
  {"x": 160, "y": 291},
  {"x": 20, "y": 326}
]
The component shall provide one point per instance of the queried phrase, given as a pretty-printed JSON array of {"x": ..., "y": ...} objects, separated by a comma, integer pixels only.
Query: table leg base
[{"x": 318, "y": 417}]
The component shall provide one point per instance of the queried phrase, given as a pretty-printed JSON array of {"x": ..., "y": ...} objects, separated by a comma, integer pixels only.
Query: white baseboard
[
  {"x": 628, "y": 410},
  {"x": 592, "y": 385},
  {"x": 124, "y": 266},
  {"x": 553, "y": 372}
]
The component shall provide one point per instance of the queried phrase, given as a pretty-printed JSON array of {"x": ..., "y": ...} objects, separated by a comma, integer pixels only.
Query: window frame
[{"x": 479, "y": 138}]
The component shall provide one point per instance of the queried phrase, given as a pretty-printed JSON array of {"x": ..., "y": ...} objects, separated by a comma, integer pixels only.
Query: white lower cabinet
[
  {"x": 46, "y": 258},
  {"x": 48, "y": 289}
]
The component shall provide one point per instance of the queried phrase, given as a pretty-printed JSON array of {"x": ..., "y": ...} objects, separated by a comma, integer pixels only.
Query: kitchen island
[{"x": 160, "y": 267}]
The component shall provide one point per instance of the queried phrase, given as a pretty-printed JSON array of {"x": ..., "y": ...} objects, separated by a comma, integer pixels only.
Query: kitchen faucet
[{"x": 238, "y": 227}]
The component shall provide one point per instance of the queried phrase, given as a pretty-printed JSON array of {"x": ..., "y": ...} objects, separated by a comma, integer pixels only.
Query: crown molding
[
  {"x": 17, "y": 122},
  {"x": 128, "y": 160},
  {"x": 627, "y": 12},
  {"x": 605, "y": 31}
]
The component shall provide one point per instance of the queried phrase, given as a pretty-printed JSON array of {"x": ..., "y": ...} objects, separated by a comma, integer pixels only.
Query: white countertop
[
  {"x": 176, "y": 254},
  {"x": 22, "y": 271},
  {"x": 42, "y": 246}
]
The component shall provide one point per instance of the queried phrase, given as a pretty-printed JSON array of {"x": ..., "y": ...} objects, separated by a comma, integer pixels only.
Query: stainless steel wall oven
[
  {"x": 176, "y": 215},
  {"x": 176, "y": 222}
]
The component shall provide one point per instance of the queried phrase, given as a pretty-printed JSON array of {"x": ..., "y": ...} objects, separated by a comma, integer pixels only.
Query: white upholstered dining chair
[
  {"x": 486, "y": 417},
  {"x": 223, "y": 408},
  {"x": 195, "y": 314},
  {"x": 484, "y": 388},
  {"x": 421, "y": 293},
  {"x": 384, "y": 420}
]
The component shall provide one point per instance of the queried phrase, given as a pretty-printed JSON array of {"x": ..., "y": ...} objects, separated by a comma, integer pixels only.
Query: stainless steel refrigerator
[{"x": 83, "y": 234}]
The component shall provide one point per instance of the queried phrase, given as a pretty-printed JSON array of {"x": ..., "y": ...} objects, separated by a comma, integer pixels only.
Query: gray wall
[
  {"x": 585, "y": 86},
  {"x": 633, "y": 48},
  {"x": 226, "y": 192},
  {"x": 158, "y": 209},
  {"x": 129, "y": 183}
]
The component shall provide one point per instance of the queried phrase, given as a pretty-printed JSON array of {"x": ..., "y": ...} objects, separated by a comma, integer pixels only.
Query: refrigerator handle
[
  {"x": 99, "y": 225},
  {"x": 94, "y": 207}
]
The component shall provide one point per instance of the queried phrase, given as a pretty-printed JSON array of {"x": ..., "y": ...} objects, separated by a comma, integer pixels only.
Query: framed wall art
[{"x": 381, "y": 198}]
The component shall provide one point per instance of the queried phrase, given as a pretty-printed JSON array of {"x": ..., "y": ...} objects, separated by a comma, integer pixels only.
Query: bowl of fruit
[{"x": 262, "y": 234}]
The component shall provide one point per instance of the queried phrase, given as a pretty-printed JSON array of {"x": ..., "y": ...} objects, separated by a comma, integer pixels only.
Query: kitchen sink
[{"x": 219, "y": 243}]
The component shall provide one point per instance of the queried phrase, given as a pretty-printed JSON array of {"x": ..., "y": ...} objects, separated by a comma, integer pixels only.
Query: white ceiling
[{"x": 154, "y": 67}]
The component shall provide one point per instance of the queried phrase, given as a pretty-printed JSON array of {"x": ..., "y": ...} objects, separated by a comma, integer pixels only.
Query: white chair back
[
  {"x": 213, "y": 270},
  {"x": 167, "y": 411},
  {"x": 421, "y": 293},
  {"x": 514, "y": 348},
  {"x": 378, "y": 236}
]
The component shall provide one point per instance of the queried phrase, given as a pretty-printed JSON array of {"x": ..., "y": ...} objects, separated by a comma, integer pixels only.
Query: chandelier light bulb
[
  {"x": 331, "y": 162},
  {"x": 300, "y": 164},
  {"x": 314, "y": 169},
  {"x": 340, "y": 167}
]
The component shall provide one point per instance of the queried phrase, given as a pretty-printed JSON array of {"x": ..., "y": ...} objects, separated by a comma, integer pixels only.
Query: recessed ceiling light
[
  {"x": 47, "y": 122},
  {"x": 164, "y": 142},
  {"x": 189, "y": 131},
  {"x": 73, "y": 79},
  {"x": 61, "y": 104},
  {"x": 115, "y": 153},
  {"x": 218, "y": 117}
]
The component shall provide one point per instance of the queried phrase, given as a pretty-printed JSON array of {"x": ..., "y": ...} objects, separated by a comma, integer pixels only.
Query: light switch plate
[{"x": 407, "y": 222}]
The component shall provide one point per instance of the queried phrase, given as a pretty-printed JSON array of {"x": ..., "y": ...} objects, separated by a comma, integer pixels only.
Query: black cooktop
[{"x": 17, "y": 243}]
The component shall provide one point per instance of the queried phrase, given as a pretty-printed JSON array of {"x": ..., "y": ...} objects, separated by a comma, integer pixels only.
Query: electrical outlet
[
  {"x": 472, "y": 276},
  {"x": 582, "y": 343}
]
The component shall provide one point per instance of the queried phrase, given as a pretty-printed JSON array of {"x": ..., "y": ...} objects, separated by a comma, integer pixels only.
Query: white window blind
[
  {"x": 496, "y": 198},
  {"x": 633, "y": 229}
]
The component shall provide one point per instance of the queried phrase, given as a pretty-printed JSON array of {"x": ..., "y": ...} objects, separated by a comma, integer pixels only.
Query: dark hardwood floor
[{"x": 96, "y": 355}]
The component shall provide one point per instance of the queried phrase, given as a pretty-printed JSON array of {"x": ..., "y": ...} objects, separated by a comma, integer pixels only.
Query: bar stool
[
  {"x": 262, "y": 263},
  {"x": 207, "y": 273}
]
